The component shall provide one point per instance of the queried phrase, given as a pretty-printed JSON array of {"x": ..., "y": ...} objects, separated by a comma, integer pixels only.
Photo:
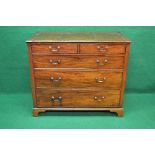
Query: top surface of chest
[{"x": 79, "y": 37}]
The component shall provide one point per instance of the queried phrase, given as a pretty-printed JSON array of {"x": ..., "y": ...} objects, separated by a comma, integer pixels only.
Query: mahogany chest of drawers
[{"x": 78, "y": 71}]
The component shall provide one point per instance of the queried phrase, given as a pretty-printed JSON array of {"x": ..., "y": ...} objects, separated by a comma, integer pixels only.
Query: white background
[
  {"x": 77, "y": 142},
  {"x": 77, "y": 13}
]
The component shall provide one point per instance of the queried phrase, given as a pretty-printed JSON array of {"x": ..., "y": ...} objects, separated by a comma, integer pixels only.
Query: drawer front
[
  {"x": 95, "y": 62},
  {"x": 55, "y": 48},
  {"x": 50, "y": 98},
  {"x": 103, "y": 49},
  {"x": 78, "y": 79}
]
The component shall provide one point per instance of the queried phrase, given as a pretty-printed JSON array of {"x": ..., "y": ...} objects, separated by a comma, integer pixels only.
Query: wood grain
[
  {"x": 104, "y": 49},
  {"x": 124, "y": 73},
  {"x": 55, "y": 48},
  {"x": 32, "y": 74},
  {"x": 78, "y": 79},
  {"x": 95, "y": 62},
  {"x": 78, "y": 98},
  {"x": 118, "y": 111},
  {"x": 78, "y": 71}
]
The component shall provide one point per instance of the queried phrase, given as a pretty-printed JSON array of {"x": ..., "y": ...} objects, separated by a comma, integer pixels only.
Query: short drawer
[
  {"x": 102, "y": 48},
  {"x": 46, "y": 61},
  {"x": 78, "y": 79},
  {"x": 55, "y": 48},
  {"x": 83, "y": 98}
]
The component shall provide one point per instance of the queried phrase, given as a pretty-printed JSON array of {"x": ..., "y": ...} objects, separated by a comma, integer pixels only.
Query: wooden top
[{"x": 78, "y": 37}]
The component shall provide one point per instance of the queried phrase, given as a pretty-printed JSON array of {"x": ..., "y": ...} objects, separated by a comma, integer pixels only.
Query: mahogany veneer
[{"x": 78, "y": 71}]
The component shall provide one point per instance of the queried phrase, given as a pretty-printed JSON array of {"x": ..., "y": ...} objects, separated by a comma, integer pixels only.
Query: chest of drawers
[{"x": 78, "y": 71}]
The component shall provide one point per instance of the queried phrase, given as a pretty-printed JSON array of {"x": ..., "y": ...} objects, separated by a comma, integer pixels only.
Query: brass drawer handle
[
  {"x": 50, "y": 47},
  {"x": 99, "y": 80},
  {"x": 57, "y": 99},
  {"x": 102, "y": 48},
  {"x": 105, "y": 61},
  {"x": 55, "y": 80},
  {"x": 54, "y": 49},
  {"x": 55, "y": 62},
  {"x": 99, "y": 98}
]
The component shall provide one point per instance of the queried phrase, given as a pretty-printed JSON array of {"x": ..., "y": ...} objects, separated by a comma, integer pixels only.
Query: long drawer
[
  {"x": 85, "y": 98},
  {"x": 96, "y": 62},
  {"x": 78, "y": 79}
]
